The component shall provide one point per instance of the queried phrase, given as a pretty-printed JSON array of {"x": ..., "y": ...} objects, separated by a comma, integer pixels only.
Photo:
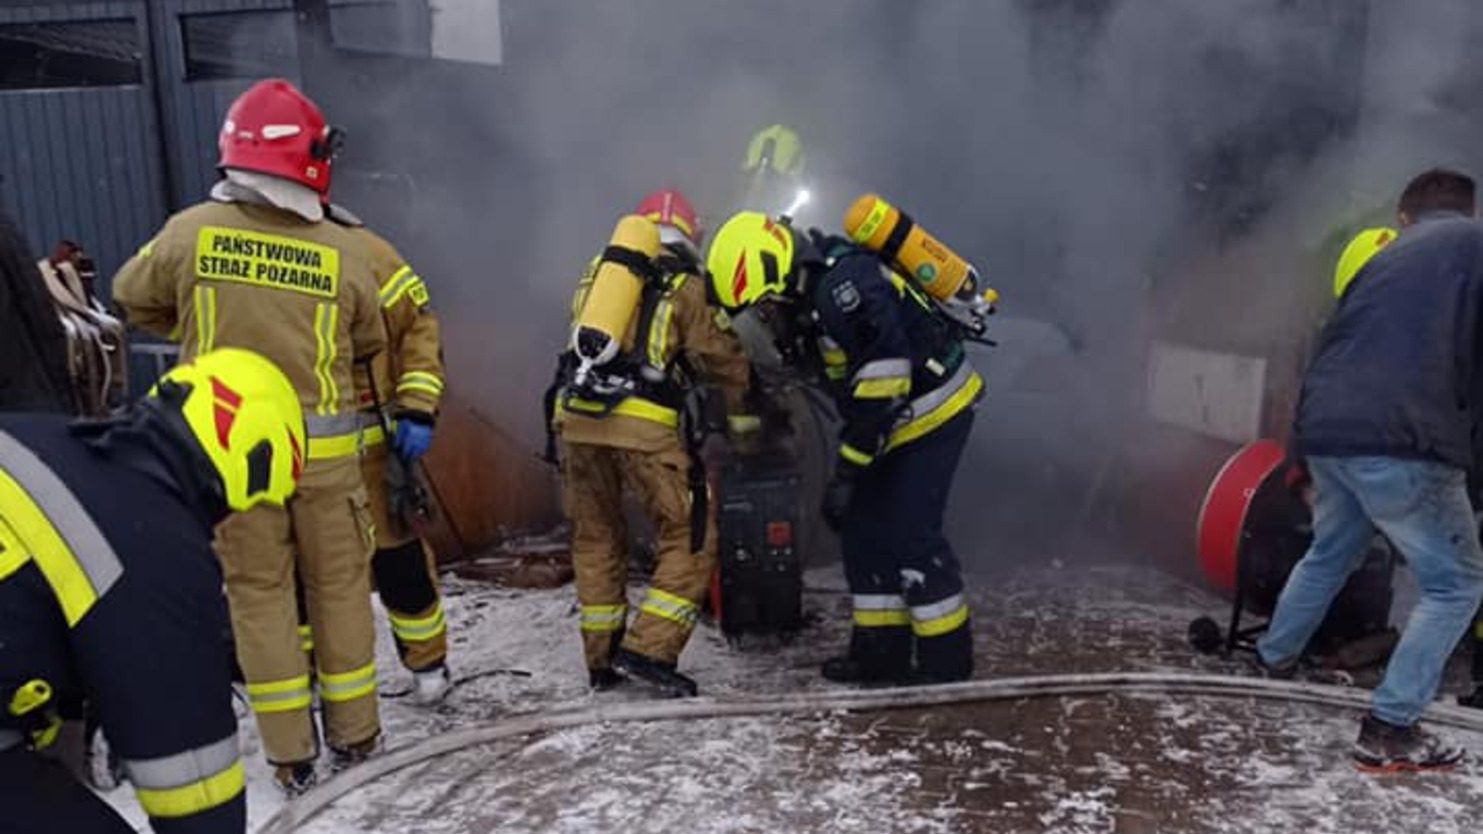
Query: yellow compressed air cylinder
[
  {"x": 877, "y": 225},
  {"x": 600, "y": 327}
]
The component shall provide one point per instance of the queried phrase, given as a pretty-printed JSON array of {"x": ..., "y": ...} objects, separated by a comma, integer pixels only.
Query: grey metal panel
[
  {"x": 390, "y": 27},
  {"x": 82, "y": 163},
  {"x": 192, "y": 110}
]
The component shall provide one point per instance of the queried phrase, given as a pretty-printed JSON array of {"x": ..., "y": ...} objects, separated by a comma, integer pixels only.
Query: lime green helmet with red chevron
[
  {"x": 245, "y": 416},
  {"x": 752, "y": 257}
]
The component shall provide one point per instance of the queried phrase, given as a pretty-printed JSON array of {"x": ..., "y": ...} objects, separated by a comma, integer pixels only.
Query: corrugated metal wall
[
  {"x": 91, "y": 163},
  {"x": 82, "y": 163},
  {"x": 192, "y": 110}
]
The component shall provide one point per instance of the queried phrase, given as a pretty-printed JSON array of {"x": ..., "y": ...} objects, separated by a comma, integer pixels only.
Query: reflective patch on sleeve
[
  {"x": 404, "y": 283},
  {"x": 42, "y": 516},
  {"x": 263, "y": 260}
]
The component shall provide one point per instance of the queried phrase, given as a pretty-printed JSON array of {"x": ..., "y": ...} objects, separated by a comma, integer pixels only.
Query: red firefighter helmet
[
  {"x": 275, "y": 129},
  {"x": 678, "y": 222}
]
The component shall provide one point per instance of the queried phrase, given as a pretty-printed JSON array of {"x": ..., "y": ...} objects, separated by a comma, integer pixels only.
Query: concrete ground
[{"x": 1085, "y": 764}]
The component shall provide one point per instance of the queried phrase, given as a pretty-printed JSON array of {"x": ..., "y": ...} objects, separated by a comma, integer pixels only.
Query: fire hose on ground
[{"x": 302, "y": 810}]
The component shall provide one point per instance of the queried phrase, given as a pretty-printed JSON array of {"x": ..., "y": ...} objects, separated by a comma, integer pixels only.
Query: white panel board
[
  {"x": 1214, "y": 394},
  {"x": 467, "y": 30}
]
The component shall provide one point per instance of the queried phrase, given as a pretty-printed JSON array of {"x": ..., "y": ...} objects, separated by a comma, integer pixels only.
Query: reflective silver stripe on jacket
[
  {"x": 182, "y": 769},
  {"x": 934, "y": 399},
  {"x": 94, "y": 554},
  {"x": 332, "y": 425},
  {"x": 9, "y": 739},
  {"x": 884, "y": 369}
]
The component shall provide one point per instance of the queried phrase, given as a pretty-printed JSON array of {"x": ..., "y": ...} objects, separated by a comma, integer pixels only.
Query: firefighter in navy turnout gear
[
  {"x": 109, "y": 589},
  {"x": 905, "y": 391},
  {"x": 643, "y": 337}
]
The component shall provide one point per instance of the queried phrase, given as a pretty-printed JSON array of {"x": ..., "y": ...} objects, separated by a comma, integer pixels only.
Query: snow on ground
[{"x": 1073, "y": 765}]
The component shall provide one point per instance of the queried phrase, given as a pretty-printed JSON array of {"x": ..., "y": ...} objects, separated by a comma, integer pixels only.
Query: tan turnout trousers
[
  {"x": 595, "y": 480},
  {"x": 329, "y": 521}
]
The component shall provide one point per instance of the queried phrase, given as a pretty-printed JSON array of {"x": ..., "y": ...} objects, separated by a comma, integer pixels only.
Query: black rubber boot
[
  {"x": 946, "y": 658},
  {"x": 295, "y": 780},
  {"x": 604, "y": 679},
  {"x": 344, "y": 758},
  {"x": 880, "y": 655},
  {"x": 656, "y": 673},
  {"x": 1387, "y": 748}
]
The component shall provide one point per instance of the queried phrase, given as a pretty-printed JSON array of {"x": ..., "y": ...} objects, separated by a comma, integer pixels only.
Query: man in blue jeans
[{"x": 1386, "y": 422}]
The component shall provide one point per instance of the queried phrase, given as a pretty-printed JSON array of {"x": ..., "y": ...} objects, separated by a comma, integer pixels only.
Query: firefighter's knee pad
[{"x": 403, "y": 579}]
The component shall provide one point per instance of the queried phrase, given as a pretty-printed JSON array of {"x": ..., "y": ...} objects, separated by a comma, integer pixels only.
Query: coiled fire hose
[{"x": 299, "y": 811}]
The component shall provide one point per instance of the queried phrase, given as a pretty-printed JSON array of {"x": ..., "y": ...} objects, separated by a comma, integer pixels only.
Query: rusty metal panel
[{"x": 489, "y": 485}]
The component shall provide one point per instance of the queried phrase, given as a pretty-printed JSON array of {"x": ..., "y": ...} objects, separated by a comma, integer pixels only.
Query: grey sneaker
[{"x": 1387, "y": 748}]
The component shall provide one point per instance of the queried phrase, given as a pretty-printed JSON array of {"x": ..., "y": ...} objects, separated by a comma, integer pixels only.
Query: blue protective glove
[{"x": 412, "y": 439}]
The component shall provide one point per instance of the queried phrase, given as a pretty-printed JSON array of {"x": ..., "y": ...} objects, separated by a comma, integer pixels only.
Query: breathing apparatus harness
[{"x": 596, "y": 390}]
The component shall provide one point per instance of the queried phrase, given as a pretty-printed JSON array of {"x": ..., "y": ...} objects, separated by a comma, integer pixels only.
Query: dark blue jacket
[
  {"x": 899, "y": 368},
  {"x": 117, "y": 594},
  {"x": 1397, "y": 369}
]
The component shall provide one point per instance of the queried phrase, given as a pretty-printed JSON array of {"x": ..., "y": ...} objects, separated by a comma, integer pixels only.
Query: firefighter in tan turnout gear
[
  {"x": 259, "y": 267},
  {"x": 643, "y": 335},
  {"x": 400, "y": 390}
]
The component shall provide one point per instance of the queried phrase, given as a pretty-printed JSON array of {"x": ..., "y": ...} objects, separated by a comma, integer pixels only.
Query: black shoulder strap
[{"x": 637, "y": 262}]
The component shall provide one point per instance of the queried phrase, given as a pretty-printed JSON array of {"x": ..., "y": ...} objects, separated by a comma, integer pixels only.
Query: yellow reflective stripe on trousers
[
  {"x": 419, "y": 629},
  {"x": 880, "y": 610},
  {"x": 306, "y": 637},
  {"x": 420, "y": 381},
  {"x": 604, "y": 617},
  {"x": 205, "y": 304},
  {"x": 42, "y": 516},
  {"x": 670, "y": 607},
  {"x": 632, "y": 407},
  {"x": 938, "y": 406},
  {"x": 189, "y": 782},
  {"x": 280, "y": 696},
  {"x": 338, "y": 687},
  {"x": 939, "y": 618},
  {"x": 326, "y": 325}
]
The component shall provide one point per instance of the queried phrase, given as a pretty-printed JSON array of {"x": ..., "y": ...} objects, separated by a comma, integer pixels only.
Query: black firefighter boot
[
  {"x": 878, "y": 654},
  {"x": 600, "y": 674},
  {"x": 656, "y": 673},
  {"x": 945, "y": 658}
]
